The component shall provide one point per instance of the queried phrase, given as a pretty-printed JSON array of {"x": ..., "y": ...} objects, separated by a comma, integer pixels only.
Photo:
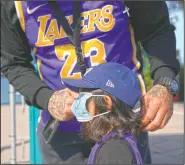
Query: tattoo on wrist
[
  {"x": 162, "y": 92},
  {"x": 158, "y": 91}
]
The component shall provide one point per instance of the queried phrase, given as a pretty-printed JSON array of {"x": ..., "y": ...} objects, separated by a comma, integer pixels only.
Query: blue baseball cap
[{"x": 116, "y": 79}]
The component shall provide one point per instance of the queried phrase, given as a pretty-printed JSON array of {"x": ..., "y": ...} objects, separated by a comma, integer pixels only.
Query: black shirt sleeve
[
  {"x": 114, "y": 152},
  {"x": 150, "y": 20},
  {"x": 16, "y": 59}
]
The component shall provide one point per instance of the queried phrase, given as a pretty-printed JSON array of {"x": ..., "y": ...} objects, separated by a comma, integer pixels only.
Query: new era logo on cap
[{"x": 110, "y": 84}]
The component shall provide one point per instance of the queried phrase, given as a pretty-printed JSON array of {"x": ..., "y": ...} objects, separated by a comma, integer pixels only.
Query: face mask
[{"x": 79, "y": 107}]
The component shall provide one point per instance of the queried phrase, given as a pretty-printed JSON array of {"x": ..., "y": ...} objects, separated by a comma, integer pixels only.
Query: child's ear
[{"x": 108, "y": 101}]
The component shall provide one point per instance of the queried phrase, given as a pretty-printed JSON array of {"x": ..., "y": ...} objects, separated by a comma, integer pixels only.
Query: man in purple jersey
[{"x": 110, "y": 31}]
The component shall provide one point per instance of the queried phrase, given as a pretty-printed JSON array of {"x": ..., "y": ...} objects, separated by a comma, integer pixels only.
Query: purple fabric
[
  {"x": 130, "y": 139},
  {"x": 56, "y": 58}
]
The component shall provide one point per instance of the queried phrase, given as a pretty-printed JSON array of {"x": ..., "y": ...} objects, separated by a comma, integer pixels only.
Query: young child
[{"x": 108, "y": 106}]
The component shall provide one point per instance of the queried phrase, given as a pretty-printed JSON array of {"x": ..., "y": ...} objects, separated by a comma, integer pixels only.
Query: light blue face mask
[{"x": 79, "y": 107}]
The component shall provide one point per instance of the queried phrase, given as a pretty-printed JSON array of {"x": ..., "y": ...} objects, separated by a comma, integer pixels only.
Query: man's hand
[
  {"x": 157, "y": 107},
  {"x": 60, "y": 103}
]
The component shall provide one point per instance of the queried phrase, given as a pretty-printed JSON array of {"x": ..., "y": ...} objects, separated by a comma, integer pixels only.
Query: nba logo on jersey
[{"x": 110, "y": 84}]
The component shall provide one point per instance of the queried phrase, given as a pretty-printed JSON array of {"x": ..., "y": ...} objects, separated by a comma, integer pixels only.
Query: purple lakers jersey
[{"x": 106, "y": 35}]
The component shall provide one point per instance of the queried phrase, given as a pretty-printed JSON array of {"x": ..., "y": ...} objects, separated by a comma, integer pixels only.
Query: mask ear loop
[{"x": 103, "y": 112}]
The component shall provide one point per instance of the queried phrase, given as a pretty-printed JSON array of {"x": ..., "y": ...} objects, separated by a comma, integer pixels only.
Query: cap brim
[{"x": 79, "y": 83}]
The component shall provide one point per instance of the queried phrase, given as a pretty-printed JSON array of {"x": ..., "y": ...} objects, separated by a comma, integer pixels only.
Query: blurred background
[{"x": 18, "y": 121}]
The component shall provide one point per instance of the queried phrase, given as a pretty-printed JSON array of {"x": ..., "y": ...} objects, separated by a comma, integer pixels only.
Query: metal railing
[{"x": 13, "y": 136}]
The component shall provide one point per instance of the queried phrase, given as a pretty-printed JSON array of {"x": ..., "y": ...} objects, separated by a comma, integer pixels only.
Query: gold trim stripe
[
  {"x": 134, "y": 59},
  {"x": 18, "y": 6},
  {"x": 143, "y": 87}
]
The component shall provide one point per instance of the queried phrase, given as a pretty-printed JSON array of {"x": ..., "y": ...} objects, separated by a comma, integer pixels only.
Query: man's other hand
[{"x": 157, "y": 106}]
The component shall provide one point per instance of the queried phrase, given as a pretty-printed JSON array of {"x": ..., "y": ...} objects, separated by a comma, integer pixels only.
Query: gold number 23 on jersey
[{"x": 67, "y": 53}]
